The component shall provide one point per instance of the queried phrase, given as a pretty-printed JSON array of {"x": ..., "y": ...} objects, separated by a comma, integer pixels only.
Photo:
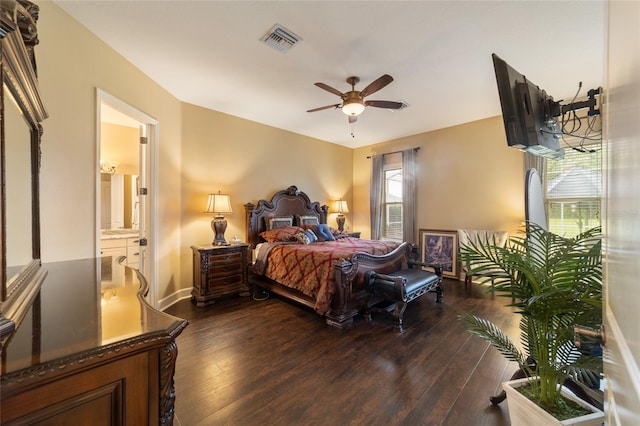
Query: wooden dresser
[
  {"x": 90, "y": 351},
  {"x": 219, "y": 270}
]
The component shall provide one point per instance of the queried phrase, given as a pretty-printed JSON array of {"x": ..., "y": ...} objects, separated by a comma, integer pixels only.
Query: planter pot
[{"x": 524, "y": 412}]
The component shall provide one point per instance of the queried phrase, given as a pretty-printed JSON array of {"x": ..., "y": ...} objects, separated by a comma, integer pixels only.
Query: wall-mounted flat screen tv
[{"x": 529, "y": 114}]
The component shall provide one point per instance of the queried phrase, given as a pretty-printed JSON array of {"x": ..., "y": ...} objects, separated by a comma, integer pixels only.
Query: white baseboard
[{"x": 174, "y": 298}]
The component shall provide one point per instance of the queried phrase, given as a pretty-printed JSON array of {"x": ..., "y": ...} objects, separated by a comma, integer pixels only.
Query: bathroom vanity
[{"x": 121, "y": 242}]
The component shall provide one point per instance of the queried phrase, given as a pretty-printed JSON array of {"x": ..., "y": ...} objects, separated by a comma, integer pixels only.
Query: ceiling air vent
[{"x": 280, "y": 38}]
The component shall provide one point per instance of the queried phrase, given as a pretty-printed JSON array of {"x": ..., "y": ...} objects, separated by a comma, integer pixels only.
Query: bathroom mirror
[
  {"x": 119, "y": 201},
  {"x": 119, "y": 169},
  {"x": 23, "y": 111}
]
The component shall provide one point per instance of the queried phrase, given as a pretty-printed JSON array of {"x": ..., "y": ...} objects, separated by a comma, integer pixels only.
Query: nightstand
[{"x": 218, "y": 271}]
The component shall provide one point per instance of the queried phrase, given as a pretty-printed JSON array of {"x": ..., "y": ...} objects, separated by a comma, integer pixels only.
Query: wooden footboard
[{"x": 351, "y": 296}]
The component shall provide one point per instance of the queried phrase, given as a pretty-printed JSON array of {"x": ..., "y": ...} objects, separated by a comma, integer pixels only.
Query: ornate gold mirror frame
[{"x": 18, "y": 36}]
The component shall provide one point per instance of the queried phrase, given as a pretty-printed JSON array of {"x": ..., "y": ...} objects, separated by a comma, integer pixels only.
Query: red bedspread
[{"x": 308, "y": 268}]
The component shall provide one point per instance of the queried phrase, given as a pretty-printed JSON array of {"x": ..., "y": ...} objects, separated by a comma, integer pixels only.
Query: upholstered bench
[{"x": 391, "y": 293}]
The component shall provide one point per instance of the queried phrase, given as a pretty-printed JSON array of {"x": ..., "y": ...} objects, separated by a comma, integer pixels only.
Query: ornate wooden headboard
[{"x": 288, "y": 202}]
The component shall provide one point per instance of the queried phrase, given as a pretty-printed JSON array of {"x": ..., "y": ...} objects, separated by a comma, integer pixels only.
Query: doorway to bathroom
[{"x": 126, "y": 190}]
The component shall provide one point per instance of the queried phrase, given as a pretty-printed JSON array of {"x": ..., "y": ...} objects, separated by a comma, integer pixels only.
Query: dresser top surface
[{"x": 83, "y": 306}]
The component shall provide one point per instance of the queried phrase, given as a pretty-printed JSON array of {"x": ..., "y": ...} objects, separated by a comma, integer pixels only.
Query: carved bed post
[
  {"x": 250, "y": 222},
  {"x": 341, "y": 314}
]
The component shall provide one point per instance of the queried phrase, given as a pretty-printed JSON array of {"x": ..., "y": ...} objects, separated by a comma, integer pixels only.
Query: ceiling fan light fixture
[
  {"x": 353, "y": 108},
  {"x": 353, "y": 102}
]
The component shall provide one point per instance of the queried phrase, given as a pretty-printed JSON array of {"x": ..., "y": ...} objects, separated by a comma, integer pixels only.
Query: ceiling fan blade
[
  {"x": 376, "y": 85},
  {"x": 329, "y": 89},
  {"x": 385, "y": 104},
  {"x": 352, "y": 118},
  {"x": 324, "y": 107}
]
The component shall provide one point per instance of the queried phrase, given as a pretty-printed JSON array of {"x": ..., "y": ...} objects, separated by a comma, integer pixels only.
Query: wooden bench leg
[
  {"x": 367, "y": 314},
  {"x": 398, "y": 314}
]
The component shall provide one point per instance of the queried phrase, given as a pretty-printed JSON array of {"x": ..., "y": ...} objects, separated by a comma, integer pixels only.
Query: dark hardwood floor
[{"x": 246, "y": 362}]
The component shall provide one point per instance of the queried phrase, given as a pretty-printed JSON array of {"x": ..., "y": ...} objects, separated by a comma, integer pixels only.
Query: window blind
[{"x": 574, "y": 190}]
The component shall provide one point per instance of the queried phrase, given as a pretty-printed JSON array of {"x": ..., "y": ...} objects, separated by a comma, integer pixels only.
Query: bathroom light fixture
[
  {"x": 106, "y": 167},
  {"x": 219, "y": 204}
]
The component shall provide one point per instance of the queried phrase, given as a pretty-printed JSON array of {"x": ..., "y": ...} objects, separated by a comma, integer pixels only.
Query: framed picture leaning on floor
[{"x": 440, "y": 246}]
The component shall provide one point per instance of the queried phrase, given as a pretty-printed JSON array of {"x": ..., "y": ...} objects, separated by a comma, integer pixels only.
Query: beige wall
[
  {"x": 72, "y": 64},
  {"x": 467, "y": 178},
  {"x": 249, "y": 161},
  {"x": 221, "y": 153}
]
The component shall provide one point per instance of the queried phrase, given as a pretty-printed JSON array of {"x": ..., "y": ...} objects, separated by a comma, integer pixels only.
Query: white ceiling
[{"x": 209, "y": 53}]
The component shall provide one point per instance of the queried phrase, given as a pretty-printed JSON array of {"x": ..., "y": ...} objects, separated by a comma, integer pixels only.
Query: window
[
  {"x": 392, "y": 203},
  {"x": 393, "y": 195},
  {"x": 574, "y": 190}
]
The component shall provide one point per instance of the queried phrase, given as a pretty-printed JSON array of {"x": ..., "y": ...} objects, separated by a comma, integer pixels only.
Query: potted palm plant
[{"x": 554, "y": 283}]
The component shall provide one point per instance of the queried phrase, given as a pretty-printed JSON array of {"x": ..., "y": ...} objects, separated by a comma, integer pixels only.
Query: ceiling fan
[{"x": 353, "y": 102}]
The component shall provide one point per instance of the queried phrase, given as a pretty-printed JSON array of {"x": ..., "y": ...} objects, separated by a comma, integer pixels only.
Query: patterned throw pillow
[
  {"x": 287, "y": 233},
  {"x": 279, "y": 222},
  {"x": 307, "y": 220},
  {"x": 306, "y": 237}
]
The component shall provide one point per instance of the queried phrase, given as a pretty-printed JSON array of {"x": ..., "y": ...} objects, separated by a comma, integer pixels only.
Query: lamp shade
[
  {"x": 353, "y": 108},
  {"x": 218, "y": 204},
  {"x": 341, "y": 206}
]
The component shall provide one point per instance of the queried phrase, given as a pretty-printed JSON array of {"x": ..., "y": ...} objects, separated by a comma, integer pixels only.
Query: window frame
[
  {"x": 397, "y": 234},
  {"x": 562, "y": 226}
]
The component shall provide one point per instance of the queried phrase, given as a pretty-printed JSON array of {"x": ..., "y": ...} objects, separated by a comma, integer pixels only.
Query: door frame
[
  {"x": 151, "y": 176},
  {"x": 621, "y": 248}
]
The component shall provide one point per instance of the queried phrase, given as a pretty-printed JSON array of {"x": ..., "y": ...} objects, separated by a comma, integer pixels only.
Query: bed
[{"x": 333, "y": 283}]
